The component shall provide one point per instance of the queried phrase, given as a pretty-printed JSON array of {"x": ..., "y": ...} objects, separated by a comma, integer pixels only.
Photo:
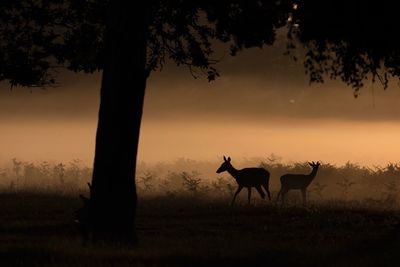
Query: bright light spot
[{"x": 295, "y": 6}]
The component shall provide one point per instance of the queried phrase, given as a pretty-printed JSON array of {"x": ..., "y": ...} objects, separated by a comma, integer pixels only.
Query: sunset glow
[{"x": 244, "y": 114}]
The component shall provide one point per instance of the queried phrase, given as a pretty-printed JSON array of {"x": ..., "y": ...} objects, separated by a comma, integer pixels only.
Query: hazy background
[{"x": 261, "y": 104}]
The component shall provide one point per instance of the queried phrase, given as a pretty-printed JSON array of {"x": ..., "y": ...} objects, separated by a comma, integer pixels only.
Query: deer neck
[
  {"x": 233, "y": 171},
  {"x": 313, "y": 174}
]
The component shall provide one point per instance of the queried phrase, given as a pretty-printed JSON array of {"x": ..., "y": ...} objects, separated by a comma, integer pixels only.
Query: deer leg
[
  {"x": 236, "y": 193},
  {"x": 266, "y": 189},
  {"x": 249, "y": 194},
  {"x": 260, "y": 191},
  {"x": 284, "y": 192},
  {"x": 279, "y": 194},
  {"x": 303, "y": 193}
]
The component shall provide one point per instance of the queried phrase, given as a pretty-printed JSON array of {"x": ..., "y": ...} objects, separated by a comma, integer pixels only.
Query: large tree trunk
[{"x": 112, "y": 204}]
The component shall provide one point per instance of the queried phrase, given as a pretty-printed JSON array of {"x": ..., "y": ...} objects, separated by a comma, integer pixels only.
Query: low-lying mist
[
  {"x": 365, "y": 143},
  {"x": 186, "y": 177}
]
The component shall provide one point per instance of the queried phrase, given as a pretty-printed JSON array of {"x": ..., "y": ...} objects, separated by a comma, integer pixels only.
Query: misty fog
[{"x": 261, "y": 104}]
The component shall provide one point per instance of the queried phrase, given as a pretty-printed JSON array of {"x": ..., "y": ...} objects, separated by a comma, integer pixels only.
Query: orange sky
[
  {"x": 334, "y": 141},
  {"x": 262, "y": 104}
]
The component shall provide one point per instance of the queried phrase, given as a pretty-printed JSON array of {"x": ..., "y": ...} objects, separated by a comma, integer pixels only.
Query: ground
[{"x": 37, "y": 229}]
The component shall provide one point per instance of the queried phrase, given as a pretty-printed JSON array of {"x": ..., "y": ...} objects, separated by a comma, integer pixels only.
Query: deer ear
[{"x": 229, "y": 159}]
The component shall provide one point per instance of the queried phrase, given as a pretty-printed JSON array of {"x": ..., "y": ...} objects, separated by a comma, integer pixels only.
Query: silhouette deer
[
  {"x": 247, "y": 177},
  {"x": 82, "y": 215},
  {"x": 297, "y": 181}
]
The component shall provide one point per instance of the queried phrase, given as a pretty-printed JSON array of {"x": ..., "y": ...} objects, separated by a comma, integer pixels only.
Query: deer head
[
  {"x": 225, "y": 165},
  {"x": 314, "y": 165}
]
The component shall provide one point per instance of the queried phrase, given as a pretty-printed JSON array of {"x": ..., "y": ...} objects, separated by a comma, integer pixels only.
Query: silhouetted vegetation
[
  {"x": 184, "y": 217},
  {"x": 378, "y": 185},
  {"x": 18, "y": 175},
  {"x": 37, "y": 229},
  {"x": 348, "y": 40}
]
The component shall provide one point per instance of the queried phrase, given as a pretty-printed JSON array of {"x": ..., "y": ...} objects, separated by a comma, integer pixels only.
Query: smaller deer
[
  {"x": 297, "y": 181},
  {"x": 248, "y": 177}
]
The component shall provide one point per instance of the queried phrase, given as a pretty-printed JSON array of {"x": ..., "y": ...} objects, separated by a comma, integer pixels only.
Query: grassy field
[{"x": 37, "y": 229}]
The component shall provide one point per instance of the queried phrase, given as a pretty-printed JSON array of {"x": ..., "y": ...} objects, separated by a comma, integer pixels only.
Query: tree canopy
[
  {"x": 350, "y": 40},
  {"x": 37, "y": 37}
]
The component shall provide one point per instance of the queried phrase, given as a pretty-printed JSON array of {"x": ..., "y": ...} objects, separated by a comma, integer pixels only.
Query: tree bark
[{"x": 113, "y": 199}]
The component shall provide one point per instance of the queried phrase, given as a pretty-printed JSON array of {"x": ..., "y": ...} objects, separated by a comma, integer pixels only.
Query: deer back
[{"x": 250, "y": 177}]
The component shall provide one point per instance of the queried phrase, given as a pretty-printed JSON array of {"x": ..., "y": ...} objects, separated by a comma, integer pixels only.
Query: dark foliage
[
  {"x": 350, "y": 40},
  {"x": 37, "y": 37}
]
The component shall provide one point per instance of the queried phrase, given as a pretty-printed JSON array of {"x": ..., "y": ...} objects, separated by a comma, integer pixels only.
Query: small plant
[
  {"x": 59, "y": 172},
  {"x": 174, "y": 180},
  {"x": 230, "y": 188},
  {"x": 219, "y": 184},
  {"x": 222, "y": 187},
  {"x": 12, "y": 187},
  {"x": 191, "y": 182},
  {"x": 345, "y": 184},
  {"x": 44, "y": 169},
  {"x": 274, "y": 159},
  {"x": 146, "y": 180},
  {"x": 17, "y": 167},
  {"x": 390, "y": 192},
  {"x": 318, "y": 188},
  {"x": 165, "y": 187},
  {"x": 392, "y": 169},
  {"x": 3, "y": 174},
  {"x": 30, "y": 173},
  {"x": 74, "y": 170}
]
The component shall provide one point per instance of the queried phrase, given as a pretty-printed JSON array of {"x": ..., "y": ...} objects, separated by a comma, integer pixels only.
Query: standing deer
[
  {"x": 297, "y": 181},
  {"x": 248, "y": 177}
]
